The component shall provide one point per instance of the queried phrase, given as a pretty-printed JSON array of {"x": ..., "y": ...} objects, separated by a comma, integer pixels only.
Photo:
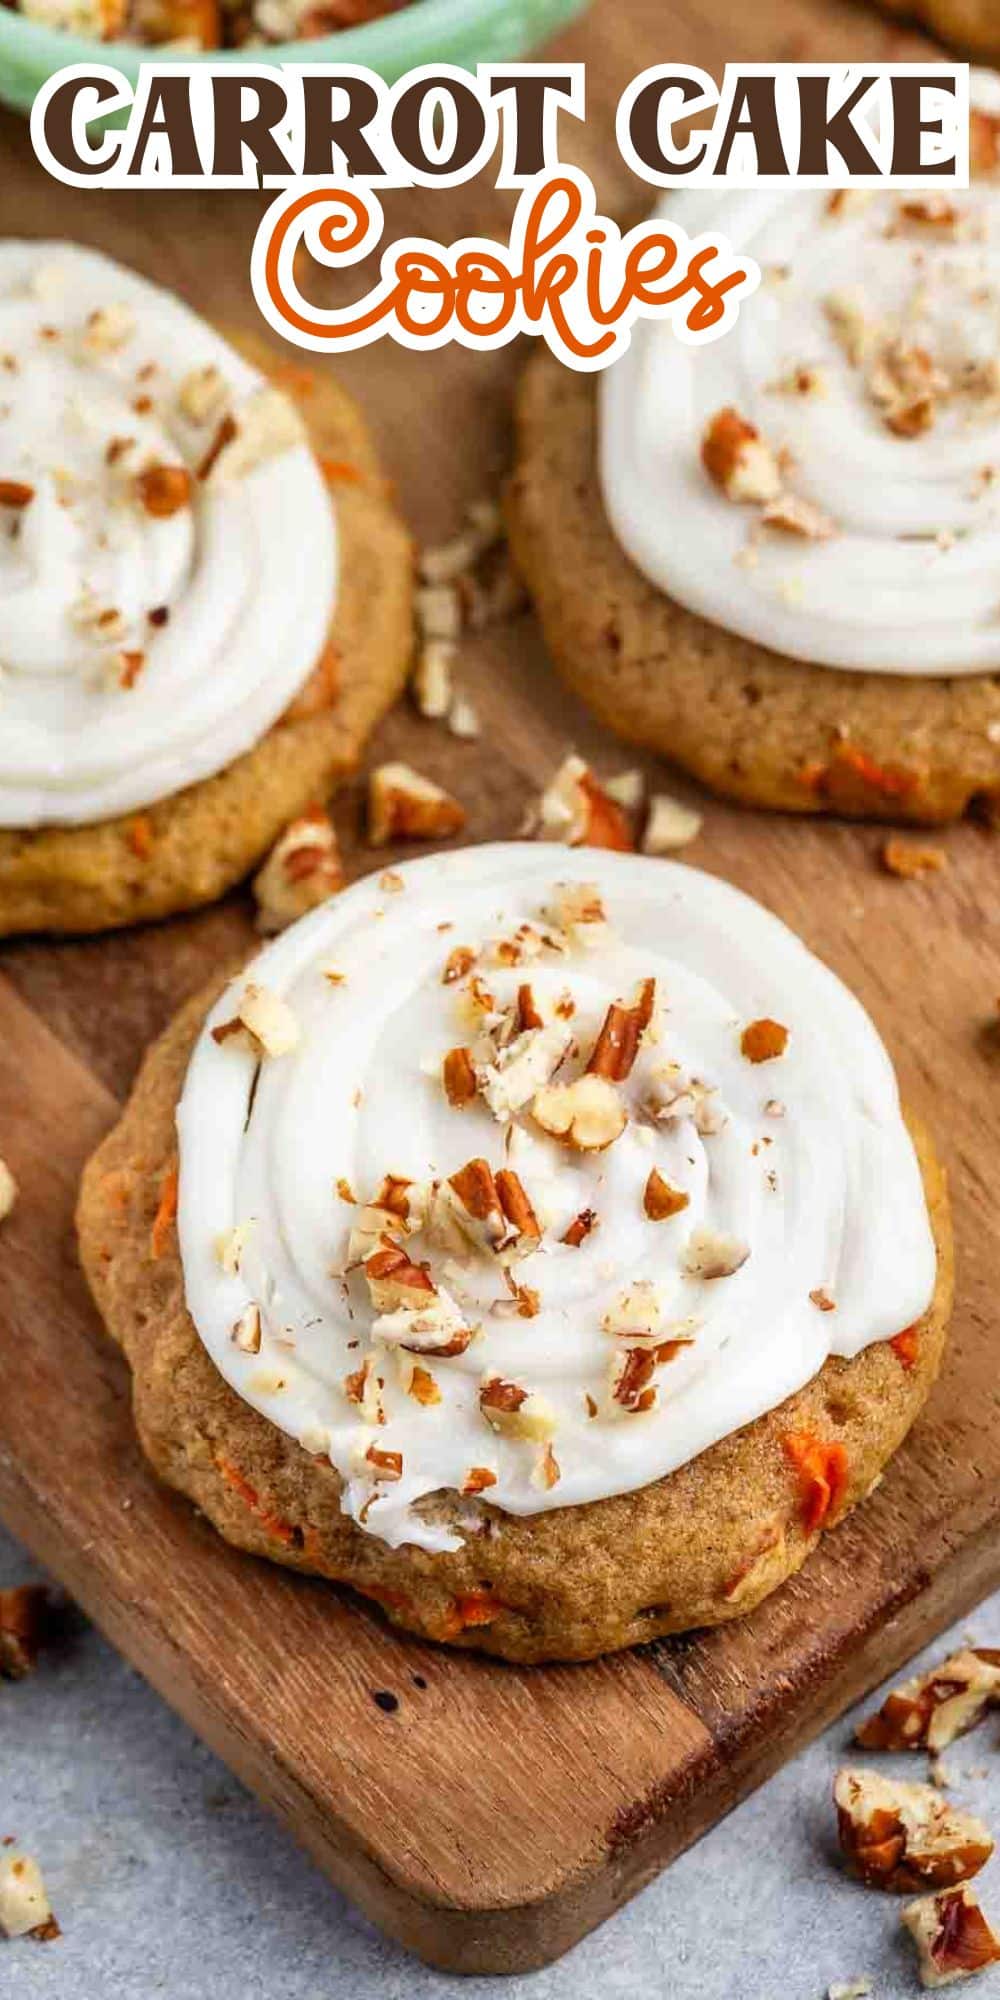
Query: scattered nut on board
[
  {"x": 403, "y": 805},
  {"x": 910, "y": 861},
  {"x": 302, "y": 870}
]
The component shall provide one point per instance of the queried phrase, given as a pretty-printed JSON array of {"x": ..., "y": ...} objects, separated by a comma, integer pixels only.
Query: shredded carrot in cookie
[
  {"x": 480, "y": 1607},
  {"x": 821, "y": 1464},
  {"x": 906, "y": 1347},
  {"x": 891, "y": 781},
  {"x": 271, "y": 1523},
  {"x": 340, "y": 471},
  {"x": 166, "y": 1214},
  {"x": 140, "y": 837}
]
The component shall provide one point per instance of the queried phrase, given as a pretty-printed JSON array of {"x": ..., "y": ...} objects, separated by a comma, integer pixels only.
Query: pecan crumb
[
  {"x": 910, "y": 861},
  {"x": 738, "y": 460}
]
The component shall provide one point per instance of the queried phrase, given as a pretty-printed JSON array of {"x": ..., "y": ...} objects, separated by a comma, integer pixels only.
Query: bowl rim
[{"x": 407, "y": 35}]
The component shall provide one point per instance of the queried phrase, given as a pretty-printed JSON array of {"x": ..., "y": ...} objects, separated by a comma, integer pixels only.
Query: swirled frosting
[
  {"x": 753, "y": 1108},
  {"x": 870, "y": 306},
  {"x": 144, "y": 644}
]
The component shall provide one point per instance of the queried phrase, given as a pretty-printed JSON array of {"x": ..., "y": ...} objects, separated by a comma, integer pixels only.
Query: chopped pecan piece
[
  {"x": 518, "y": 1212},
  {"x": 458, "y": 1074},
  {"x": 163, "y": 490},
  {"x": 738, "y": 460},
  {"x": 436, "y": 1328},
  {"x": 108, "y": 327},
  {"x": 669, "y": 825},
  {"x": 577, "y": 810},
  {"x": 909, "y": 861},
  {"x": 906, "y": 1837},
  {"x": 931, "y": 1710},
  {"x": 478, "y": 1479},
  {"x": 459, "y": 962},
  {"x": 762, "y": 1041},
  {"x": 386, "y": 1465},
  {"x": 16, "y": 493},
  {"x": 930, "y": 211},
  {"x": 660, "y": 1200},
  {"x": 8, "y": 1191},
  {"x": 473, "y": 1199},
  {"x": 791, "y": 515},
  {"x": 514, "y": 1411},
  {"x": 952, "y": 1936},
  {"x": 201, "y": 394},
  {"x": 617, "y": 1045},
  {"x": 526, "y": 1013},
  {"x": 263, "y": 1022},
  {"x": 264, "y": 427},
  {"x": 396, "y": 1283},
  {"x": 403, "y": 805},
  {"x": 27, "y": 1621},
  {"x": 587, "y": 1115},
  {"x": 431, "y": 681},
  {"x": 577, "y": 910},
  {"x": 422, "y": 1387},
  {"x": 363, "y": 1388},
  {"x": 632, "y": 1386},
  {"x": 709, "y": 1255},
  {"x": 523, "y": 1068},
  {"x": 582, "y": 1226},
  {"x": 906, "y": 385},
  {"x": 302, "y": 870},
  {"x": 24, "y": 1905},
  {"x": 246, "y": 1331}
]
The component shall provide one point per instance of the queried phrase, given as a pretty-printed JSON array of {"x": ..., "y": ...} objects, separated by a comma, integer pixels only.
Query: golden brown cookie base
[
  {"x": 696, "y": 1548},
  {"x": 752, "y": 724},
  {"x": 971, "y": 26},
  {"x": 188, "y": 849}
]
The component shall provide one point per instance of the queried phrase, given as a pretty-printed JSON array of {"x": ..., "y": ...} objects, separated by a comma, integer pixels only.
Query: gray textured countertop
[{"x": 169, "y": 1879}]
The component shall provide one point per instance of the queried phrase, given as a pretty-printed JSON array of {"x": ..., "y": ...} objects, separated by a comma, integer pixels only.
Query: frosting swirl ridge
[
  {"x": 167, "y": 543},
  {"x": 867, "y": 362}
]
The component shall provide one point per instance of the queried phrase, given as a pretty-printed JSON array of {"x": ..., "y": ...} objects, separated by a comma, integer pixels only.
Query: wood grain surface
[{"x": 495, "y": 1815}]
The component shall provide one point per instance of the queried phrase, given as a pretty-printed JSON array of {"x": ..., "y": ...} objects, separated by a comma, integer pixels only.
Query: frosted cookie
[
  {"x": 206, "y": 596},
  {"x": 774, "y": 559},
  {"x": 549, "y": 1258}
]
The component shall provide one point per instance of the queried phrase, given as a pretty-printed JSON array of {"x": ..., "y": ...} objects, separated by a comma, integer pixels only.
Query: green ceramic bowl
[{"x": 466, "y": 32}]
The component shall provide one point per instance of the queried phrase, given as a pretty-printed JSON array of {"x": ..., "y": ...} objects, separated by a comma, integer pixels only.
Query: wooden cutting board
[{"x": 486, "y": 1816}]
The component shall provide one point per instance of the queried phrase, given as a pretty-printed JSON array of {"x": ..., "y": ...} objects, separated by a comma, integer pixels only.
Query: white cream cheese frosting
[
  {"x": 860, "y": 294},
  {"x": 145, "y": 642},
  {"x": 760, "y": 1099}
]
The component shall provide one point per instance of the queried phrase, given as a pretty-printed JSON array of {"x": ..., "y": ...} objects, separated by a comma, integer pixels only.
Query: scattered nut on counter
[{"x": 25, "y": 1909}]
